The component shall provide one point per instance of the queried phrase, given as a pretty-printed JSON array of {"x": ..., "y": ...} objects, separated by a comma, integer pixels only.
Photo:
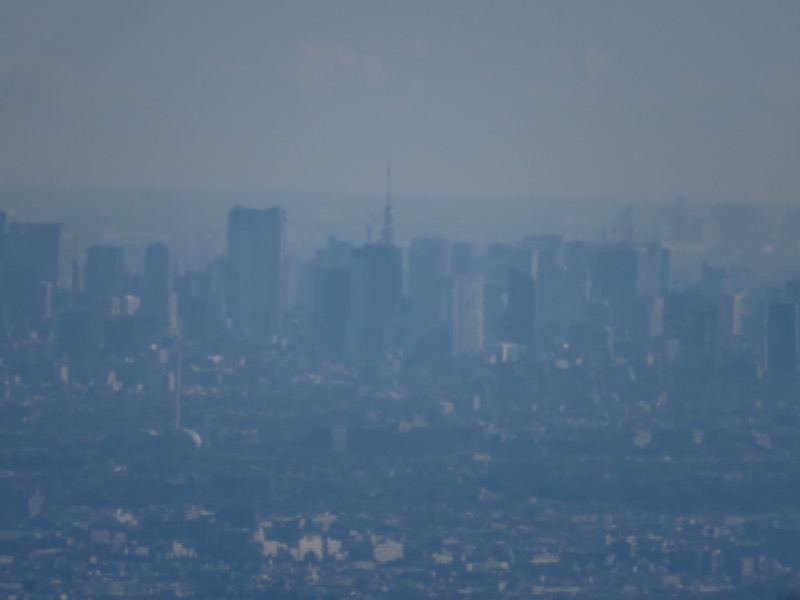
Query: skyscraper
[
  {"x": 34, "y": 248},
  {"x": 331, "y": 307},
  {"x": 429, "y": 265},
  {"x": 255, "y": 291},
  {"x": 519, "y": 318},
  {"x": 613, "y": 271},
  {"x": 466, "y": 316},
  {"x": 376, "y": 298},
  {"x": 2, "y": 237},
  {"x": 105, "y": 271},
  {"x": 157, "y": 288},
  {"x": 781, "y": 342}
]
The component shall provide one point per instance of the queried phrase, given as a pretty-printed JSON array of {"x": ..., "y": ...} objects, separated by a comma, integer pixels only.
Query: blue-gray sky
[{"x": 625, "y": 99}]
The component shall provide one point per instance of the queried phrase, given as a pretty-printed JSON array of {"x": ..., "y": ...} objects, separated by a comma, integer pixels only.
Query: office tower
[
  {"x": 561, "y": 294},
  {"x": 781, "y": 337},
  {"x": 256, "y": 262},
  {"x": 549, "y": 250},
  {"x": 691, "y": 332},
  {"x": 376, "y": 298},
  {"x": 519, "y": 319},
  {"x": 652, "y": 273},
  {"x": 26, "y": 304},
  {"x": 791, "y": 291},
  {"x": 613, "y": 271},
  {"x": 157, "y": 283},
  {"x": 105, "y": 271},
  {"x": 648, "y": 318},
  {"x": 466, "y": 316},
  {"x": 494, "y": 310},
  {"x": 331, "y": 307},
  {"x": 34, "y": 248},
  {"x": 2, "y": 237},
  {"x": 328, "y": 294},
  {"x": 577, "y": 254},
  {"x": 338, "y": 254},
  {"x": 500, "y": 259},
  {"x": 462, "y": 259},
  {"x": 200, "y": 302},
  {"x": 713, "y": 281},
  {"x": 429, "y": 266}
]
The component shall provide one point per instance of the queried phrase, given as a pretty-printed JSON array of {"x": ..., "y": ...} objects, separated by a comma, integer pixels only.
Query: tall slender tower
[{"x": 388, "y": 211}]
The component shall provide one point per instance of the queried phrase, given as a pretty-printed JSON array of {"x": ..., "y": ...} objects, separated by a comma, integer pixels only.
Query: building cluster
[{"x": 542, "y": 298}]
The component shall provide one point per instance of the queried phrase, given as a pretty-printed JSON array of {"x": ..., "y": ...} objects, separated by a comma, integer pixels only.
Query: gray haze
[{"x": 622, "y": 99}]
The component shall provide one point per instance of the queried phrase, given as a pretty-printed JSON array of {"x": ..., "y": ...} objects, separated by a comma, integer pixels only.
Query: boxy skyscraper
[{"x": 255, "y": 290}]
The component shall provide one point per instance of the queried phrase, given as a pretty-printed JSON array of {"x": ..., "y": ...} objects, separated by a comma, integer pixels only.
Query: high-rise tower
[
  {"x": 376, "y": 297},
  {"x": 105, "y": 271},
  {"x": 781, "y": 337},
  {"x": 156, "y": 297},
  {"x": 255, "y": 293},
  {"x": 388, "y": 212}
]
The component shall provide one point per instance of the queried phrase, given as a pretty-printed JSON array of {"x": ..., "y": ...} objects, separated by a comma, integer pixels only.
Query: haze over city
[{"x": 620, "y": 99}]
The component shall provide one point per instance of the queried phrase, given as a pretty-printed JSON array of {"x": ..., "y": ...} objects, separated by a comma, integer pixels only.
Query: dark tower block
[
  {"x": 781, "y": 342},
  {"x": 255, "y": 291},
  {"x": 520, "y": 312},
  {"x": 376, "y": 297},
  {"x": 157, "y": 288},
  {"x": 331, "y": 307},
  {"x": 105, "y": 271},
  {"x": 429, "y": 268}
]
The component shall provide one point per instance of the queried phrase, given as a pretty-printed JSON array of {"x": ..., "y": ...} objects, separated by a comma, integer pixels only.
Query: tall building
[
  {"x": 548, "y": 249},
  {"x": 520, "y": 310},
  {"x": 713, "y": 281},
  {"x": 200, "y": 301},
  {"x": 2, "y": 237},
  {"x": 35, "y": 249},
  {"x": 652, "y": 278},
  {"x": 376, "y": 297},
  {"x": 105, "y": 271},
  {"x": 331, "y": 307},
  {"x": 466, "y": 316},
  {"x": 791, "y": 291},
  {"x": 157, "y": 283},
  {"x": 782, "y": 337},
  {"x": 462, "y": 259},
  {"x": 429, "y": 266},
  {"x": 256, "y": 264},
  {"x": 561, "y": 294},
  {"x": 613, "y": 272}
]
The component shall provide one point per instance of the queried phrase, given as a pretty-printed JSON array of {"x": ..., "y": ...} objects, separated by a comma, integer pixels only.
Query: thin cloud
[
  {"x": 418, "y": 48},
  {"x": 598, "y": 62},
  {"x": 318, "y": 64},
  {"x": 698, "y": 84}
]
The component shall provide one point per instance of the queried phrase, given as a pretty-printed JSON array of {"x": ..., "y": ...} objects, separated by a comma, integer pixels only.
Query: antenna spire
[{"x": 388, "y": 211}]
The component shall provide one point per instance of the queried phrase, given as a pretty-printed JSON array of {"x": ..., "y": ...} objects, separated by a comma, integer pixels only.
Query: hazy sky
[{"x": 595, "y": 98}]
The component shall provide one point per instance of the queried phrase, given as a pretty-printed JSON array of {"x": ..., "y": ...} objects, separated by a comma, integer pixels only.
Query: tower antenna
[{"x": 388, "y": 211}]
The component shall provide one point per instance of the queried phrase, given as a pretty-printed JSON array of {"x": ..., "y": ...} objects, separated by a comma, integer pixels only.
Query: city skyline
[{"x": 376, "y": 299}]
